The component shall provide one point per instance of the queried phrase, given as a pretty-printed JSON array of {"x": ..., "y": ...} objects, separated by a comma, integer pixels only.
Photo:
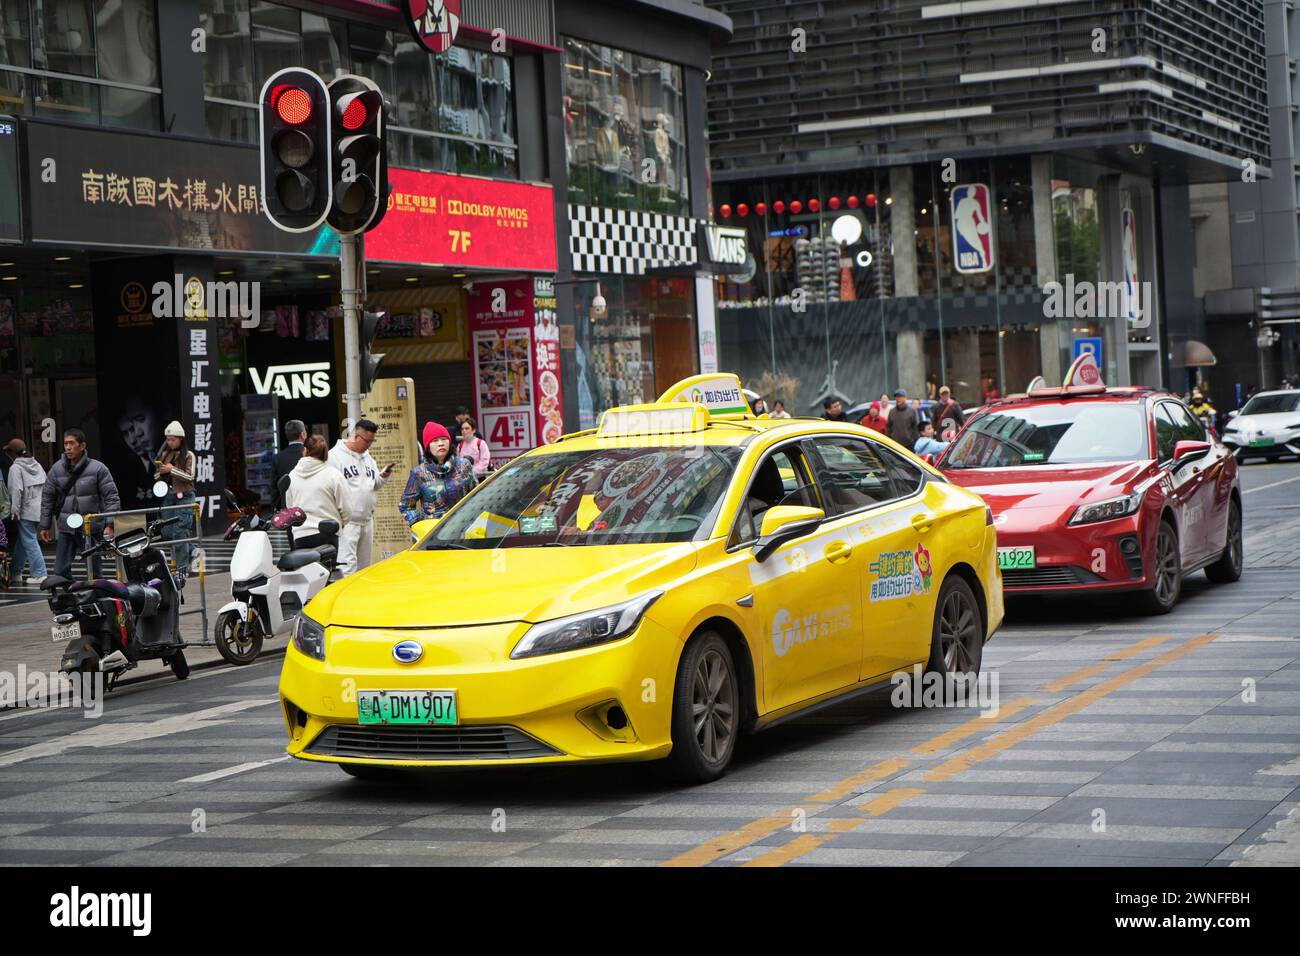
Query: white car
[{"x": 1267, "y": 427}]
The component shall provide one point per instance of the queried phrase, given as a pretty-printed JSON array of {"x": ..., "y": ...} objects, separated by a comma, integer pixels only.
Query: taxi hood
[
  {"x": 1058, "y": 487},
  {"x": 464, "y": 587}
]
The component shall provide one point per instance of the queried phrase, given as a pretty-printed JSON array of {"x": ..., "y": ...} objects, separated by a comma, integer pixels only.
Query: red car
[{"x": 1097, "y": 489}]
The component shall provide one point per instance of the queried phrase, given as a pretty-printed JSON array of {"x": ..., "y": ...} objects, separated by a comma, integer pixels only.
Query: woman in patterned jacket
[{"x": 439, "y": 481}]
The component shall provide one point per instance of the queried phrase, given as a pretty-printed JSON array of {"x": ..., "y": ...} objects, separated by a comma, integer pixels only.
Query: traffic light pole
[{"x": 350, "y": 272}]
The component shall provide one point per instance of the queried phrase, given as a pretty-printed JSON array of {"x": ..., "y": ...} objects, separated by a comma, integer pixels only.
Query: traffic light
[
  {"x": 294, "y": 139},
  {"x": 369, "y": 363},
  {"x": 358, "y": 155}
]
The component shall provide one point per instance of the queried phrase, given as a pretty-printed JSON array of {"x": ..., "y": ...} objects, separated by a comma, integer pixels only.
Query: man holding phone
[{"x": 351, "y": 456}]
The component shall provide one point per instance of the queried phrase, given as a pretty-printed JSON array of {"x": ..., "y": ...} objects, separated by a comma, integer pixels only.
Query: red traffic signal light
[
  {"x": 292, "y": 104},
  {"x": 294, "y": 135},
  {"x": 358, "y": 164}
]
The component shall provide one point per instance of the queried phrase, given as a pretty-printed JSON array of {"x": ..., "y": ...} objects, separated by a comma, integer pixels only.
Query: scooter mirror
[
  {"x": 75, "y": 521},
  {"x": 160, "y": 489}
]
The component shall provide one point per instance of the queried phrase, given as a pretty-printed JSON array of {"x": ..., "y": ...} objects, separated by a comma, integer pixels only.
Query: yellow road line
[{"x": 730, "y": 842}]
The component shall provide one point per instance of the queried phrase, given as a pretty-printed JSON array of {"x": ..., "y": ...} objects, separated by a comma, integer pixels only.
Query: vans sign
[
  {"x": 726, "y": 246},
  {"x": 306, "y": 380}
]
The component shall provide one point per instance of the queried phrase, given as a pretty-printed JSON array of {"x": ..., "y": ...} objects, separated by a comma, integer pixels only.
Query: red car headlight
[{"x": 1107, "y": 510}]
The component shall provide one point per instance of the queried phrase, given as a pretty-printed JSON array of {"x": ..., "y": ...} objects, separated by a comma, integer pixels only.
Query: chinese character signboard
[
  {"x": 438, "y": 219},
  {"x": 200, "y": 402},
  {"x": 546, "y": 362},
  {"x": 390, "y": 404},
  {"x": 129, "y": 189},
  {"x": 972, "y": 228}
]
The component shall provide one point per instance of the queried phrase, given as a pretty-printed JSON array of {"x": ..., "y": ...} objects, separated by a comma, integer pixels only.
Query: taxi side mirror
[
  {"x": 423, "y": 527},
  {"x": 782, "y": 523},
  {"x": 1233, "y": 414}
]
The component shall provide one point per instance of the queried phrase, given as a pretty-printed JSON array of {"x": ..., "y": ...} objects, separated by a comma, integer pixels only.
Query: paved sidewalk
[{"x": 25, "y": 634}]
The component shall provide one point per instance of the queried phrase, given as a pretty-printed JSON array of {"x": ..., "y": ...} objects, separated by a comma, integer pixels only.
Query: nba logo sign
[{"x": 972, "y": 228}]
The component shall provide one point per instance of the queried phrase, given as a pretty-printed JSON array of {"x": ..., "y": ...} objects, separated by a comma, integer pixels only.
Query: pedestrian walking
[
  {"x": 874, "y": 419},
  {"x": 319, "y": 490},
  {"x": 295, "y": 434},
  {"x": 363, "y": 477},
  {"x": 26, "y": 481},
  {"x": 833, "y": 410},
  {"x": 885, "y": 405},
  {"x": 439, "y": 481},
  {"x": 473, "y": 448},
  {"x": 176, "y": 470},
  {"x": 81, "y": 485},
  {"x": 902, "y": 425},
  {"x": 778, "y": 410}
]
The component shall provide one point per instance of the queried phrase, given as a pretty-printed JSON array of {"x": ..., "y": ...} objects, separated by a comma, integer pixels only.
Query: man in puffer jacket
[
  {"x": 26, "y": 478},
  {"x": 318, "y": 489},
  {"x": 351, "y": 457},
  {"x": 77, "y": 484}
]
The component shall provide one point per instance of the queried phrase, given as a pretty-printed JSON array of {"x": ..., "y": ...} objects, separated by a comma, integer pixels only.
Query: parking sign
[
  {"x": 972, "y": 228},
  {"x": 1088, "y": 344}
]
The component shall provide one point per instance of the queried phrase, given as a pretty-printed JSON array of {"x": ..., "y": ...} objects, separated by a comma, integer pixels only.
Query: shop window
[{"x": 625, "y": 129}]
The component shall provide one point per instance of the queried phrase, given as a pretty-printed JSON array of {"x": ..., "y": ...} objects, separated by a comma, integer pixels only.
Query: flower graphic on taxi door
[{"x": 924, "y": 569}]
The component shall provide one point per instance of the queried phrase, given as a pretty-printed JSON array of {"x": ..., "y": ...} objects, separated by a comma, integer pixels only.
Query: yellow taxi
[{"x": 653, "y": 588}]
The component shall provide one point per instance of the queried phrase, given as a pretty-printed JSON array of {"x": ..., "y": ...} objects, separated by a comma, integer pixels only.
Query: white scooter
[{"x": 268, "y": 595}]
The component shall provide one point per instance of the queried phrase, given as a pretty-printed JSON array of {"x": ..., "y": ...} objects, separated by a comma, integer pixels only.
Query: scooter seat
[
  {"x": 141, "y": 598},
  {"x": 298, "y": 558}
]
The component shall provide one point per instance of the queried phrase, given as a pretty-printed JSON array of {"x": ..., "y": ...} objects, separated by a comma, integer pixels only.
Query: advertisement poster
[
  {"x": 546, "y": 354},
  {"x": 421, "y": 326},
  {"x": 391, "y": 405},
  {"x": 437, "y": 219},
  {"x": 1129, "y": 253},
  {"x": 501, "y": 342},
  {"x": 972, "y": 228}
]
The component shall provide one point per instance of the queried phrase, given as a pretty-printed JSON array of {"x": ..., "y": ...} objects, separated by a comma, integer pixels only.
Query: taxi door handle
[
  {"x": 922, "y": 522},
  {"x": 838, "y": 551}
]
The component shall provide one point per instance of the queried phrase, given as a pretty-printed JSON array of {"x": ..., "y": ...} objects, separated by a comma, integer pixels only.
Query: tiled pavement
[{"x": 1180, "y": 750}]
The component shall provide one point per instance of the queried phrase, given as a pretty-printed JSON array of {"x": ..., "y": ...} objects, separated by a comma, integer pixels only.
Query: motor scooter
[
  {"x": 268, "y": 594},
  {"x": 110, "y": 626}
]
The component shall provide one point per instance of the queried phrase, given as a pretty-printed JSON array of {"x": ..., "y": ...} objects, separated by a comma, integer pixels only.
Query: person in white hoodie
[
  {"x": 318, "y": 489},
  {"x": 351, "y": 456},
  {"x": 26, "y": 478}
]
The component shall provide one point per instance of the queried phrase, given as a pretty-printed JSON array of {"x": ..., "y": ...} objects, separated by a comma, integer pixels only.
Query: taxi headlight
[
  {"x": 1108, "y": 509},
  {"x": 584, "y": 630},
  {"x": 309, "y": 637}
]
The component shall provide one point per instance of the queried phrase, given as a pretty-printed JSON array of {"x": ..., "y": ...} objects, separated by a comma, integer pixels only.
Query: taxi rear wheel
[
  {"x": 706, "y": 710},
  {"x": 957, "y": 640},
  {"x": 1228, "y": 568}
]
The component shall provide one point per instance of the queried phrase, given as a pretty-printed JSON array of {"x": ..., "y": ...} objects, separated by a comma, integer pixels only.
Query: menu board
[
  {"x": 390, "y": 404},
  {"x": 505, "y": 388},
  {"x": 546, "y": 354}
]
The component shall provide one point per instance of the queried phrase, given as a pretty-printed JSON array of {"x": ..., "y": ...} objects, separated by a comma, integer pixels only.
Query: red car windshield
[{"x": 1068, "y": 433}]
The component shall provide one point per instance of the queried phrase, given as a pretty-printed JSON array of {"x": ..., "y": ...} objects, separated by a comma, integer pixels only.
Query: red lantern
[
  {"x": 871, "y": 199},
  {"x": 814, "y": 205},
  {"x": 796, "y": 207},
  {"x": 726, "y": 211},
  {"x": 742, "y": 210},
  {"x": 834, "y": 202},
  {"x": 778, "y": 207},
  {"x": 853, "y": 202},
  {"x": 761, "y": 209}
]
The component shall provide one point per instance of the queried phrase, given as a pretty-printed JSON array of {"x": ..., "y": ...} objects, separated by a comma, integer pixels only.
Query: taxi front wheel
[{"x": 706, "y": 710}]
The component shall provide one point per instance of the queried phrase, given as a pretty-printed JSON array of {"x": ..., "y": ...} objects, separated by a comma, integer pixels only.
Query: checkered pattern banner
[{"x": 626, "y": 242}]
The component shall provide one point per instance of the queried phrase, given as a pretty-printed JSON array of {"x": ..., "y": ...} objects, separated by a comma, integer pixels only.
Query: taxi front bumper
[{"x": 610, "y": 702}]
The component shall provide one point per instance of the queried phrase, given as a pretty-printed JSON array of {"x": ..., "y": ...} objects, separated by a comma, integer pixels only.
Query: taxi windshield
[
  {"x": 1069, "y": 433},
  {"x": 644, "y": 495}
]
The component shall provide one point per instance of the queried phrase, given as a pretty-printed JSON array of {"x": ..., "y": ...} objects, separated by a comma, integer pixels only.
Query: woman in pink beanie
[{"x": 437, "y": 482}]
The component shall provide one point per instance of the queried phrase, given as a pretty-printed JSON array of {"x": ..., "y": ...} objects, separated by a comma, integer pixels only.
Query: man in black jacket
[
  {"x": 76, "y": 484},
  {"x": 295, "y": 433},
  {"x": 903, "y": 424}
]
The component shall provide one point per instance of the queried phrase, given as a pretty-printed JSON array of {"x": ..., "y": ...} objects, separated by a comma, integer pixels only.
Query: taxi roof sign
[
  {"x": 659, "y": 418},
  {"x": 720, "y": 393}
]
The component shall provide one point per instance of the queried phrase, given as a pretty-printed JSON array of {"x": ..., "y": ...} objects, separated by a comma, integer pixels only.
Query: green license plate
[
  {"x": 1014, "y": 559},
  {"x": 407, "y": 707},
  {"x": 1261, "y": 441}
]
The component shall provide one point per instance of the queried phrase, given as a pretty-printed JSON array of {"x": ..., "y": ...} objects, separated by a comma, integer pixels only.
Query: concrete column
[
  {"x": 1049, "y": 331},
  {"x": 903, "y": 230},
  {"x": 910, "y": 343}
]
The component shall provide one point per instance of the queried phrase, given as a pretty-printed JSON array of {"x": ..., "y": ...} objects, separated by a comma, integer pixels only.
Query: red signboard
[
  {"x": 434, "y": 23},
  {"x": 437, "y": 219}
]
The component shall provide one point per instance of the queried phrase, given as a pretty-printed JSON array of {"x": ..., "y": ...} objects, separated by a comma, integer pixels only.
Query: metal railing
[{"x": 103, "y": 518}]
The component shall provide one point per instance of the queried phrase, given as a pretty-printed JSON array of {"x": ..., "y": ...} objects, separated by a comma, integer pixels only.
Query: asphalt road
[{"x": 1120, "y": 740}]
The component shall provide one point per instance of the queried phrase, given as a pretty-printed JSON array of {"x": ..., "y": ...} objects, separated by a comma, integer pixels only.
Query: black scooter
[{"x": 111, "y": 626}]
